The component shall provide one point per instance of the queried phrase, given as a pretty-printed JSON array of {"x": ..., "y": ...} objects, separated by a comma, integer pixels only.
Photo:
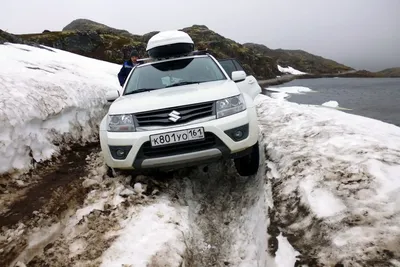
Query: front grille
[
  {"x": 148, "y": 151},
  {"x": 186, "y": 113}
]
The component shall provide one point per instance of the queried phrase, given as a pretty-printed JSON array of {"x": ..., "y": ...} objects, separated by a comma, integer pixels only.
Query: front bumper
[{"x": 218, "y": 143}]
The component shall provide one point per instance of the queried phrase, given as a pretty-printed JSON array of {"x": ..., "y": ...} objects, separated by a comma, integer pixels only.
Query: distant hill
[
  {"x": 105, "y": 43},
  {"x": 301, "y": 60},
  {"x": 391, "y": 72},
  {"x": 89, "y": 25},
  {"x": 96, "y": 40}
]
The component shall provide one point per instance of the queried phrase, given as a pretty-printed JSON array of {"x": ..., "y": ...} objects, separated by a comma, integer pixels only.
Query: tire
[{"x": 248, "y": 165}]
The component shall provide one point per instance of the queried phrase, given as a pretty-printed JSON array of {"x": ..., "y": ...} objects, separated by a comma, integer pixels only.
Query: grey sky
[{"x": 364, "y": 34}]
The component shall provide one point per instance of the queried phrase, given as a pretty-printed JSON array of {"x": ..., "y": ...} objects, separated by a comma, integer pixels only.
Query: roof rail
[
  {"x": 193, "y": 53},
  {"x": 143, "y": 60},
  {"x": 200, "y": 52}
]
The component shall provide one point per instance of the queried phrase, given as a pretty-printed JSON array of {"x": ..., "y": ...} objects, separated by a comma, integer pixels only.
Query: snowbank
[
  {"x": 335, "y": 182},
  {"x": 290, "y": 70},
  {"x": 48, "y": 96}
]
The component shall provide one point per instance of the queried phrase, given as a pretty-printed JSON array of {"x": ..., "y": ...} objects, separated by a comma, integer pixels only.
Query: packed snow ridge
[
  {"x": 48, "y": 97},
  {"x": 335, "y": 182}
]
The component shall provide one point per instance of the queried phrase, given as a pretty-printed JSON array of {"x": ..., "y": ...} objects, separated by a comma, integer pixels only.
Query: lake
[{"x": 377, "y": 98}]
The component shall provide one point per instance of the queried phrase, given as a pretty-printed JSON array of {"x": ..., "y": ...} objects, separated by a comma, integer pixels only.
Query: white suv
[{"x": 181, "y": 109}]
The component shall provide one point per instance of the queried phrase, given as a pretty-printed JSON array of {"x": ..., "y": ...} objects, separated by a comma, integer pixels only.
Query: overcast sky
[{"x": 364, "y": 34}]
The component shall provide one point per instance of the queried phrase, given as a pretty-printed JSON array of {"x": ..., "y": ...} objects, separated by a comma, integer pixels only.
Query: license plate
[{"x": 177, "y": 137}]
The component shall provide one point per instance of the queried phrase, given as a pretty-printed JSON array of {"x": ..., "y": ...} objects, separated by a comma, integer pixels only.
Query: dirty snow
[
  {"x": 335, "y": 184},
  {"x": 108, "y": 230},
  {"x": 290, "y": 70},
  {"x": 48, "y": 96},
  {"x": 155, "y": 229}
]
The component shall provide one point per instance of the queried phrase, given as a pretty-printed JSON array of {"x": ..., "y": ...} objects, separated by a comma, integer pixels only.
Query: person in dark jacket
[{"x": 127, "y": 67}]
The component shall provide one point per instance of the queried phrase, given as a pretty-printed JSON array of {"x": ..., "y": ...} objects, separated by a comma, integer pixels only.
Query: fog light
[
  {"x": 120, "y": 153},
  {"x": 238, "y": 134}
]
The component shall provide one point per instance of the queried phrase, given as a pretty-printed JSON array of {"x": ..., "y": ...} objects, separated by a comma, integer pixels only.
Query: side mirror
[
  {"x": 112, "y": 95},
  {"x": 238, "y": 76}
]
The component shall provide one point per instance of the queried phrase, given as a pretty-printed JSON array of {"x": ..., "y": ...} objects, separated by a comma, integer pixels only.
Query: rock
[
  {"x": 20, "y": 183},
  {"x": 89, "y": 182},
  {"x": 20, "y": 264},
  {"x": 93, "y": 172},
  {"x": 137, "y": 187},
  {"x": 126, "y": 192},
  {"x": 97, "y": 178}
]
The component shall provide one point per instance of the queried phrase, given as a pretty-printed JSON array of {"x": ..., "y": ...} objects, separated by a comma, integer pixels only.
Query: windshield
[{"x": 173, "y": 73}]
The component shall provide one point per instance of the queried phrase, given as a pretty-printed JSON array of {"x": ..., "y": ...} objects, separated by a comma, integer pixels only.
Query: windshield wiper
[
  {"x": 141, "y": 90},
  {"x": 181, "y": 83}
]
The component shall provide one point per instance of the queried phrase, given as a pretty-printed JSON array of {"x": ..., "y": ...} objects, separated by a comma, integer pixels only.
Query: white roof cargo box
[{"x": 169, "y": 43}]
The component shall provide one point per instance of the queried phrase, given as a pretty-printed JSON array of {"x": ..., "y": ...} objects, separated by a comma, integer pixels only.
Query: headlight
[
  {"x": 120, "y": 123},
  {"x": 230, "y": 106}
]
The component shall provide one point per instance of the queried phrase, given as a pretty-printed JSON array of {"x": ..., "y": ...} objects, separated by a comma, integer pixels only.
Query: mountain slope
[
  {"x": 300, "y": 60},
  {"x": 92, "y": 39},
  {"x": 106, "y": 44},
  {"x": 391, "y": 72},
  {"x": 89, "y": 25}
]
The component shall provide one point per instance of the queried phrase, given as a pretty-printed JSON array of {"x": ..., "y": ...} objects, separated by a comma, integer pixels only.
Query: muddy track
[
  {"x": 51, "y": 189},
  {"x": 227, "y": 216},
  {"x": 226, "y": 220}
]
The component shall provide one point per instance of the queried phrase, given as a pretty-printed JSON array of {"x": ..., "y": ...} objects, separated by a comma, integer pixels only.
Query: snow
[
  {"x": 331, "y": 104},
  {"x": 280, "y": 95},
  {"x": 335, "y": 180},
  {"x": 290, "y": 70},
  {"x": 319, "y": 199},
  {"x": 147, "y": 233},
  {"x": 286, "y": 254},
  {"x": 48, "y": 96},
  {"x": 290, "y": 89}
]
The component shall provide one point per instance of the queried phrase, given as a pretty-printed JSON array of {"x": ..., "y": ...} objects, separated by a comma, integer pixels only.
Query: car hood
[{"x": 174, "y": 96}]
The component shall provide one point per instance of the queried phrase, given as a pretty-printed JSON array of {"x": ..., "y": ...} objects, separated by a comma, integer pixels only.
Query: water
[{"x": 377, "y": 98}]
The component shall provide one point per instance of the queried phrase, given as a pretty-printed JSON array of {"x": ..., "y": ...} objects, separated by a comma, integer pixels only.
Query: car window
[
  {"x": 237, "y": 65},
  {"x": 163, "y": 74},
  {"x": 228, "y": 66}
]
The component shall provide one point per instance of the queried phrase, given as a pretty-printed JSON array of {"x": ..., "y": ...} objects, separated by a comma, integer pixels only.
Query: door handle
[{"x": 251, "y": 81}]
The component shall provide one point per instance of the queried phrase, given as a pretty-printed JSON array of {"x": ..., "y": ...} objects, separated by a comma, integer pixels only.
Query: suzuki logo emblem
[{"x": 174, "y": 116}]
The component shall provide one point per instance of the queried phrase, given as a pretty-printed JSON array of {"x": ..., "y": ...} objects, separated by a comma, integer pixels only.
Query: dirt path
[
  {"x": 73, "y": 214},
  {"x": 227, "y": 216},
  {"x": 40, "y": 197}
]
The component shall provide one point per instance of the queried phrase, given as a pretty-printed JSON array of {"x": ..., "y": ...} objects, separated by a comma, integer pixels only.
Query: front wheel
[{"x": 248, "y": 165}]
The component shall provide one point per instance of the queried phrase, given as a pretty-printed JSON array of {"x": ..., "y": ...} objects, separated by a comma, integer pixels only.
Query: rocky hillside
[
  {"x": 392, "y": 72},
  {"x": 300, "y": 60},
  {"x": 99, "y": 41},
  {"x": 102, "y": 42},
  {"x": 88, "y": 25}
]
